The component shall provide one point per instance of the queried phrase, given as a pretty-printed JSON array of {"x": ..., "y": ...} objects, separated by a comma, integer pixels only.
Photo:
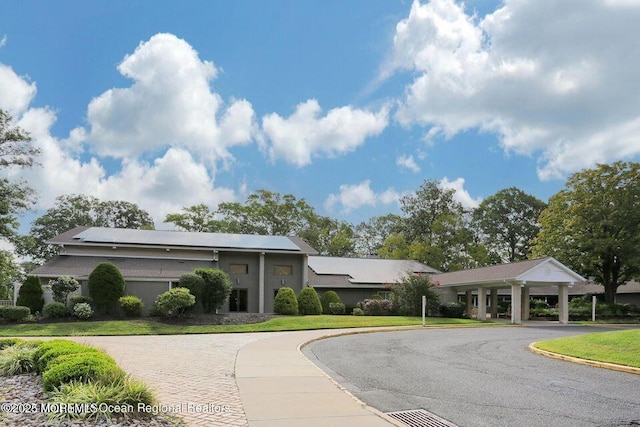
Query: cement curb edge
[{"x": 586, "y": 362}]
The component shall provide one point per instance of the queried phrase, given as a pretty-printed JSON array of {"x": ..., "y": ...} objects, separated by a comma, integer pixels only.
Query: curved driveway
[{"x": 479, "y": 377}]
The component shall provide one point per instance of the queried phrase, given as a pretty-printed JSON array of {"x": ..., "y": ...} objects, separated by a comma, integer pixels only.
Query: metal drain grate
[{"x": 420, "y": 418}]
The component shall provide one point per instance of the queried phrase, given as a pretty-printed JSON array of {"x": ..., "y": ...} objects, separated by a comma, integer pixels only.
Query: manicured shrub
[
  {"x": 452, "y": 309},
  {"x": 377, "y": 307},
  {"x": 309, "y": 302},
  {"x": 54, "y": 309},
  {"x": 62, "y": 287},
  {"x": 82, "y": 311},
  {"x": 47, "y": 352},
  {"x": 17, "y": 359},
  {"x": 357, "y": 311},
  {"x": 327, "y": 298},
  {"x": 106, "y": 285},
  {"x": 15, "y": 313},
  {"x": 215, "y": 289},
  {"x": 83, "y": 367},
  {"x": 336, "y": 308},
  {"x": 194, "y": 283},
  {"x": 408, "y": 295},
  {"x": 285, "y": 302},
  {"x": 131, "y": 306},
  {"x": 107, "y": 394},
  {"x": 31, "y": 294},
  {"x": 175, "y": 303}
]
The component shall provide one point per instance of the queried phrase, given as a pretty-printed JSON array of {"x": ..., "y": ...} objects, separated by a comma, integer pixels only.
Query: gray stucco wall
[
  {"x": 272, "y": 281},
  {"x": 247, "y": 281}
]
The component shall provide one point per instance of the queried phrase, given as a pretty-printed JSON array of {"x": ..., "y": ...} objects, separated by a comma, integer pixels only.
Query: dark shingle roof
[{"x": 491, "y": 273}]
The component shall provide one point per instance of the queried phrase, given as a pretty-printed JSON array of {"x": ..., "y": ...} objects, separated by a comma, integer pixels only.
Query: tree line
[{"x": 592, "y": 225}]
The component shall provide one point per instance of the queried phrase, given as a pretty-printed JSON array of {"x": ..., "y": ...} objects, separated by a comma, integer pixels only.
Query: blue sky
[{"x": 348, "y": 104}]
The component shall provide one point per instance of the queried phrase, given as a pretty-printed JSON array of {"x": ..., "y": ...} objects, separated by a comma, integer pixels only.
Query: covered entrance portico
[{"x": 519, "y": 277}]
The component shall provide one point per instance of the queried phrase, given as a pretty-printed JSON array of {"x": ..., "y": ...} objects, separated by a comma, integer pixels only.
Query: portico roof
[{"x": 537, "y": 272}]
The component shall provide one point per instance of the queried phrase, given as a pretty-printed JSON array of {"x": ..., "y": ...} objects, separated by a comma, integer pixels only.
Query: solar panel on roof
[{"x": 183, "y": 238}]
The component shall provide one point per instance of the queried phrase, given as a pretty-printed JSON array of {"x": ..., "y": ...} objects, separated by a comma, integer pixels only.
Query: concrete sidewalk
[{"x": 279, "y": 386}]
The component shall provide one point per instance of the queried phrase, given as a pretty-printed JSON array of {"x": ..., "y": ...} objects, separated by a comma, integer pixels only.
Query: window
[
  {"x": 238, "y": 268},
  {"x": 283, "y": 270}
]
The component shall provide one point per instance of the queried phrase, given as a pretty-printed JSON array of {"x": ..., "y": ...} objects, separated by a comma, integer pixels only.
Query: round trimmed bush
[
  {"x": 452, "y": 309},
  {"x": 15, "y": 313},
  {"x": 62, "y": 287},
  {"x": 195, "y": 284},
  {"x": 82, "y": 311},
  {"x": 175, "y": 303},
  {"x": 327, "y": 298},
  {"x": 106, "y": 286},
  {"x": 83, "y": 367},
  {"x": 31, "y": 294},
  {"x": 131, "y": 306},
  {"x": 286, "y": 302},
  {"x": 309, "y": 302},
  {"x": 215, "y": 289},
  {"x": 77, "y": 299},
  {"x": 54, "y": 309}
]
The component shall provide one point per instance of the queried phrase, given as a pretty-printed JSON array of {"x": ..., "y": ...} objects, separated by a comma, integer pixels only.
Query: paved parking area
[
  {"x": 479, "y": 377},
  {"x": 192, "y": 373}
]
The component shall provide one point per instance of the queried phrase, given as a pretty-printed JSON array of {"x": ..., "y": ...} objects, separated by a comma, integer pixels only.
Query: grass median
[
  {"x": 154, "y": 327},
  {"x": 619, "y": 347}
]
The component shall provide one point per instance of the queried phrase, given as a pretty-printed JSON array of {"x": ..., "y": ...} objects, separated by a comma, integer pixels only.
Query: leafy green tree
[
  {"x": 409, "y": 291},
  {"x": 77, "y": 209},
  {"x": 31, "y": 294},
  {"x": 10, "y": 271},
  {"x": 195, "y": 218},
  {"x": 508, "y": 223},
  {"x": 371, "y": 234},
  {"x": 593, "y": 225},
  {"x": 286, "y": 302},
  {"x": 309, "y": 302},
  {"x": 16, "y": 150},
  {"x": 329, "y": 236},
  {"x": 215, "y": 290},
  {"x": 106, "y": 286},
  {"x": 435, "y": 230}
]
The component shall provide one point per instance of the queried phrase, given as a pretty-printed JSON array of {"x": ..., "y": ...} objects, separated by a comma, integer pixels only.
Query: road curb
[{"x": 587, "y": 362}]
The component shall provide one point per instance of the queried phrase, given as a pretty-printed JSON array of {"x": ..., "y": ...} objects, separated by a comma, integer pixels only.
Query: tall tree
[
  {"x": 370, "y": 235},
  {"x": 195, "y": 218},
  {"x": 434, "y": 229},
  {"x": 508, "y": 222},
  {"x": 593, "y": 225},
  {"x": 329, "y": 236},
  {"x": 15, "y": 197},
  {"x": 77, "y": 209}
]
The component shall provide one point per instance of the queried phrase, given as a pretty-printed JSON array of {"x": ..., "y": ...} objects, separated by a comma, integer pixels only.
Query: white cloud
[
  {"x": 461, "y": 195},
  {"x": 306, "y": 134},
  {"x": 558, "y": 82},
  {"x": 408, "y": 162},
  {"x": 3, "y": 41},
  {"x": 352, "y": 197},
  {"x": 170, "y": 103},
  {"x": 15, "y": 92}
]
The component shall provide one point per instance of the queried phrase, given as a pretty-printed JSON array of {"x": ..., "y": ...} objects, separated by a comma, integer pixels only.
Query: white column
[
  {"x": 563, "y": 303},
  {"x": 482, "y": 303},
  {"x": 525, "y": 303},
  {"x": 516, "y": 303},
  {"x": 469, "y": 301},
  {"x": 494, "y": 303},
  {"x": 261, "y": 283}
]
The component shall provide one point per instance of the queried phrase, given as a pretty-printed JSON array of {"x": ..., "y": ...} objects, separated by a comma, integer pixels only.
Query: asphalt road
[{"x": 479, "y": 377}]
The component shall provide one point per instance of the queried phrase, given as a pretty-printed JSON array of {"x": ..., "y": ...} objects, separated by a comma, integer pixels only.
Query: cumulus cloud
[
  {"x": 16, "y": 92},
  {"x": 408, "y": 162},
  {"x": 557, "y": 82},
  {"x": 307, "y": 134},
  {"x": 461, "y": 195},
  {"x": 352, "y": 197},
  {"x": 170, "y": 103}
]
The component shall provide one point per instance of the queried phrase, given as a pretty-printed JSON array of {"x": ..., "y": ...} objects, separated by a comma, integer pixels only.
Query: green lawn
[
  {"x": 620, "y": 347},
  {"x": 153, "y": 327}
]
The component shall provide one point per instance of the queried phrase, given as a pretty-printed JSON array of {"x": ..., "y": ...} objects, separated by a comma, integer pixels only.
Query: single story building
[{"x": 152, "y": 261}]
